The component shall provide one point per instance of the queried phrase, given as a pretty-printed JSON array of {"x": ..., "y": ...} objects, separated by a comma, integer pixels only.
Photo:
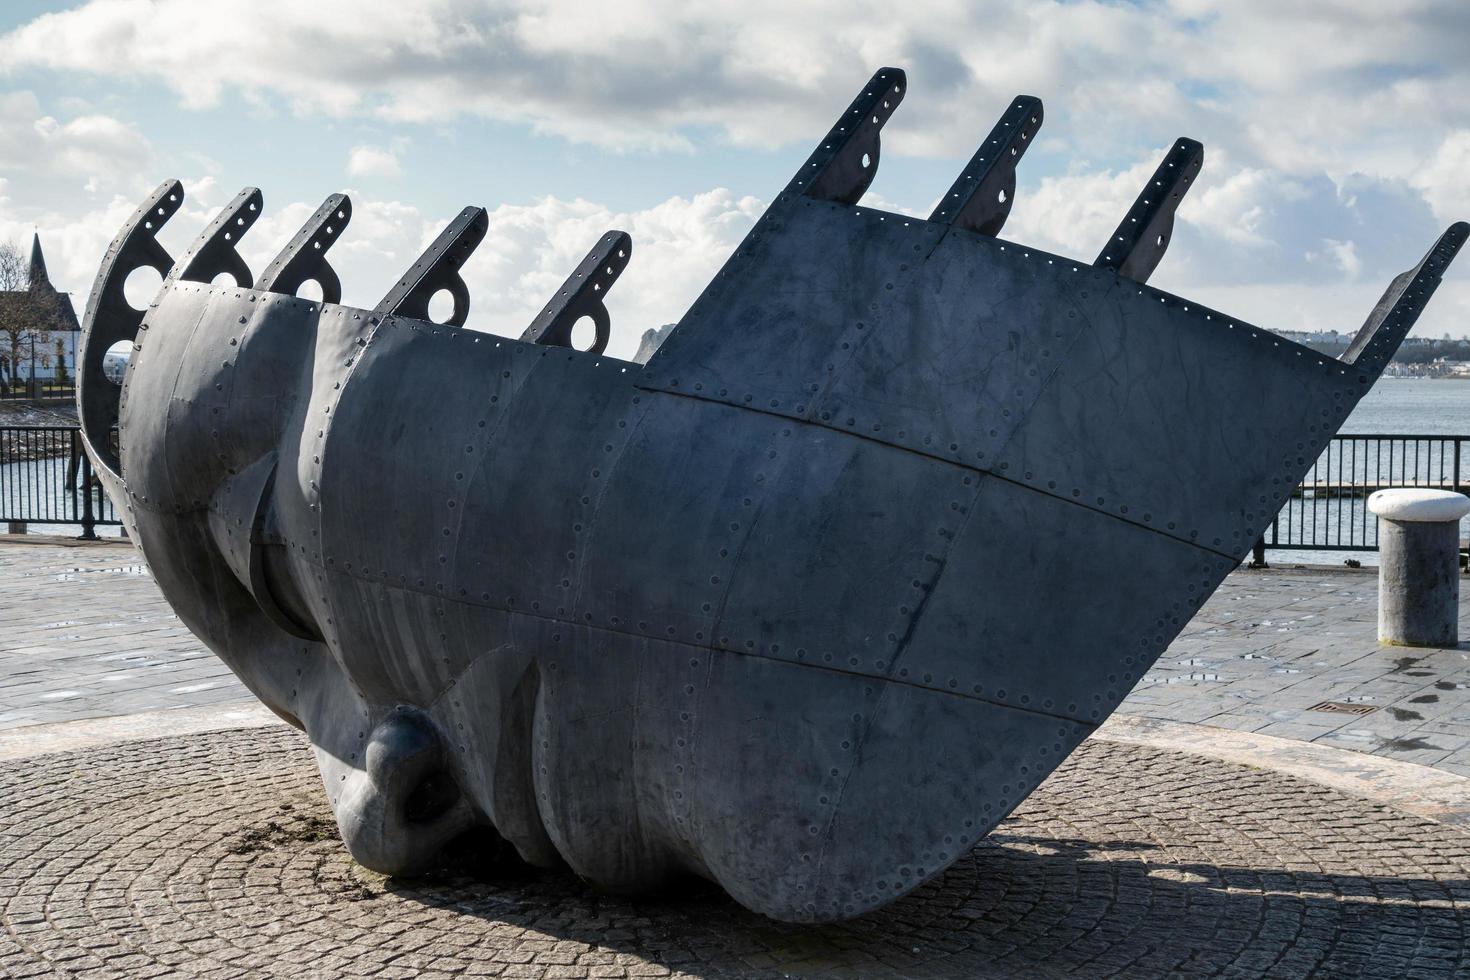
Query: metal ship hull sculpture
[{"x": 804, "y": 606}]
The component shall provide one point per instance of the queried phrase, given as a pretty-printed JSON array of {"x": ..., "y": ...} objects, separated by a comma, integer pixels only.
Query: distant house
[
  {"x": 56, "y": 332},
  {"x": 1455, "y": 369}
]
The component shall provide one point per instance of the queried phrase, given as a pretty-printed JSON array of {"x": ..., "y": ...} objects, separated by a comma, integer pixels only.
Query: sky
[{"x": 1336, "y": 133}]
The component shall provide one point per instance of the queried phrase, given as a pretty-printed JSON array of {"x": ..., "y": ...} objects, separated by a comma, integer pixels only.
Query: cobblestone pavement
[
  {"x": 88, "y": 635},
  {"x": 215, "y": 856}
]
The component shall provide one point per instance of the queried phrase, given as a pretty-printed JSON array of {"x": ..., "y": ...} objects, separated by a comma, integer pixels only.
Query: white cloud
[
  {"x": 1445, "y": 180},
  {"x": 373, "y": 161},
  {"x": 1074, "y": 214},
  {"x": 1286, "y": 84},
  {"x": 1237, "y": 207},
  {"x": 1342, "y": 256},
  {"x": 678, "y": 246},
  {"x": 90, "y": 145}
]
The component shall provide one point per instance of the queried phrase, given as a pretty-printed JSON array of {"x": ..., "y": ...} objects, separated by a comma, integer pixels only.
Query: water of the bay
[{"x": 1413, "y": 406}]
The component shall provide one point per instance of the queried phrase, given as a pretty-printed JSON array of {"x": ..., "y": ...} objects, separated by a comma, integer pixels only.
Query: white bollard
[{"x": 1418, "y": 571}]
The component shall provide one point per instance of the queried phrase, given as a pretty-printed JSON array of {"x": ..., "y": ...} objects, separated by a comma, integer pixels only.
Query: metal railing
[
  {"x": 46, "y": 478},
  {"x": 1328, "y": 510},
  {"x": 39, "y": 389}
]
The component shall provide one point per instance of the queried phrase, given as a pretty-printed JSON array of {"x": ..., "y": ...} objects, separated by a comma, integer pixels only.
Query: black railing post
[
  {"x": 89, "y": 519},
  {"x": 1455, "y": 485},
  {"x": 1455, "y": 480}
]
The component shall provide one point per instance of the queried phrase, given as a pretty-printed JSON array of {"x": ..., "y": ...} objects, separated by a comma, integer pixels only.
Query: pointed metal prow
[
  {"x": 438, "y": 270},
  {"x": 843, "y": 166},
  {"x": 582, "y": 295},
  {"x": 1141, "y": 240},
  {"x": 981, "y": 198},
  {"x": 1396, "y": 311},
  {"x": 305, "y": 258},
  {"x": 214, "y": 251}
]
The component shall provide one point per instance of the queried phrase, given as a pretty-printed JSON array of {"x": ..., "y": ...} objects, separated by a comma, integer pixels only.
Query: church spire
[{"x": 38, "y": 263}]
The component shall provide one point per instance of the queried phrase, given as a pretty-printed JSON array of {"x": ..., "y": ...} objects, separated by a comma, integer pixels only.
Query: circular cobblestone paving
[{"x": 215, "y": 856}]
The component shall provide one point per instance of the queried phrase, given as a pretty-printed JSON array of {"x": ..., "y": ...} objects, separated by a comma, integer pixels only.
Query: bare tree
[{"x": 26, "y": 321}]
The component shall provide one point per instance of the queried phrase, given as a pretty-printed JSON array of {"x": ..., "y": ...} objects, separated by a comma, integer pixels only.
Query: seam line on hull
[
  {"x": 733, "y": 653},
  {"x": 467, "y": 601},
  {"x": 986, "y": 474}
]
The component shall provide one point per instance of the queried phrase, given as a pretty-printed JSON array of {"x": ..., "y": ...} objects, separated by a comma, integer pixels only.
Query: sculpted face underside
[{"x": 806, "y": 605}]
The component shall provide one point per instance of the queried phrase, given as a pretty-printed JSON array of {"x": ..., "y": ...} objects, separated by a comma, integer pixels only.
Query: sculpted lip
[{"x": 804, "y": 605}]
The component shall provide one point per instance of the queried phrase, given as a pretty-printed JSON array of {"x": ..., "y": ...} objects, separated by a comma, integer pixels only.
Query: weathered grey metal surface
[
  {"x": 1143, "y": 235},
  {"x": 981, "y": 197},
  {"x": 582, "y": 295},
  {"x": 802, "y": 606},
  {"x": 438, "y": 270}
]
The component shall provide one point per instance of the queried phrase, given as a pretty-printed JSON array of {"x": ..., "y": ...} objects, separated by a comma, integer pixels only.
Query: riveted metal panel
[
  {"x": 537, "y": 511},
  {"x": 678, "y": 782},
  {"x": 615, "y": 813},
  {"x": 329, "y": 339},
  {"x": 845, "y": 524},
  {"x": 142, "y": 435},
  {"x": 1105, "y": 433},
  {"x": 336, "y": 337},
  {"x": 688, "y": 470},
  {"x": 388, "y": 434},
  {"x": 401, "y": 449},
  {"x": 243, "y": 366},
  {"x": 985, "y": 325},
  {"x": 495, "y": 754},
  {"x": 400, "y": 651},
  {"x": 1019, "y": 557},
  {"x": 857, "y": 789},
  {"x": 233, "y": 510},
  {"x": 787, "y": 310}
]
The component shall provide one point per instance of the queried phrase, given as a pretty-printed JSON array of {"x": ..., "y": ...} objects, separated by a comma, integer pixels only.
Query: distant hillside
[{"x": 1414, "y": 350}]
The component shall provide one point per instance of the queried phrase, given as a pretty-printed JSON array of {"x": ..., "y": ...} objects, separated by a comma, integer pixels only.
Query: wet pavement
[{"x": 1294, "y": 653}]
